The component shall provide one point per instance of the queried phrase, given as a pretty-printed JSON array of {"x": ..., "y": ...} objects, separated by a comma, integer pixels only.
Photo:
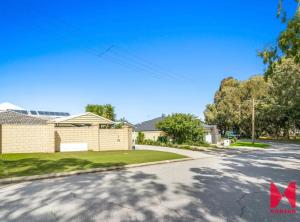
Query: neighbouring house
[
  {"x": 21, "y": 133},
  {"x": 148, "y": 128}
]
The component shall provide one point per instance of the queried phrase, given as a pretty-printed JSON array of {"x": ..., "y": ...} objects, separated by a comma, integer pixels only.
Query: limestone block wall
[
  {"x": 27, "y": 139},
  {"x": 47, "y": 138},
  {"x": 86, "y": 134},
  {"x": 115, "y": 139}
]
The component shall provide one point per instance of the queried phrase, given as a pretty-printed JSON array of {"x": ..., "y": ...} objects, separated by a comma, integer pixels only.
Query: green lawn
[
  {"x": 12, "y": 165},
  {"x": 249, "y": 144}
]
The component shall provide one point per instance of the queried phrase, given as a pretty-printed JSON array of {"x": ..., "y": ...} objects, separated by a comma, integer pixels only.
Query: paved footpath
[{"x": 231, "y": 186}]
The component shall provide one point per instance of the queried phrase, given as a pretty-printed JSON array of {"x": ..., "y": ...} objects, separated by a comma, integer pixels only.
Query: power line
[{"x": 134, "y": 60}]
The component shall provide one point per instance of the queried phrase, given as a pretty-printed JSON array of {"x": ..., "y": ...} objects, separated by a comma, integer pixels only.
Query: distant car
[{"x": 231, "y": 135}]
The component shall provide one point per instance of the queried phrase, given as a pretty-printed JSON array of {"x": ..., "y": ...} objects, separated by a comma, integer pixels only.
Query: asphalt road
[{"x": 219, "y": 186}]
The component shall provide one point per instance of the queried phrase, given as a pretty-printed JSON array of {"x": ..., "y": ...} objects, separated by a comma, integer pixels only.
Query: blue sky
[{"x": 144, "y": 57}]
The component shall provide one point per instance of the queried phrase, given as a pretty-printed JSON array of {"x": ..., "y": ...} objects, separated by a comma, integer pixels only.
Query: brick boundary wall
[
  {"x": 115, "y": 139},
  {"x": 27, "y": 139},
  {"x": 47, "y": 138},
  {"x": 86, "y": 134}
]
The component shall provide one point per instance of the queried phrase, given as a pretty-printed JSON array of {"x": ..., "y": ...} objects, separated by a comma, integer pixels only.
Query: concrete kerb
[{"x": 78, "y": 172}]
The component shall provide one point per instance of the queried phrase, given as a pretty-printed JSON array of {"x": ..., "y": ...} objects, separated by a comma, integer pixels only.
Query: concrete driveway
[
  {"x": 188, "y": 153},
  {"x": 227, "y": 187}
]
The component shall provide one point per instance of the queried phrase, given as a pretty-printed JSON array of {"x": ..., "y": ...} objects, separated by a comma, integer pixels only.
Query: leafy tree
[
  {"x": 284, "y": 101},
  {"x": 253, "y": 90},
  {"x": 106, "y": 111},
  {"x": 288, "y": 41},
  {"x": 225, "y": 111},
  {"x": 182, "y": 128},
  {"x": 276, "y": 100},
  {"x": 232, "y": 107}
]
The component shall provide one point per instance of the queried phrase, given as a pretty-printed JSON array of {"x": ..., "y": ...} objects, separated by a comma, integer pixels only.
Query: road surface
[{"x": 218, "y": 186}]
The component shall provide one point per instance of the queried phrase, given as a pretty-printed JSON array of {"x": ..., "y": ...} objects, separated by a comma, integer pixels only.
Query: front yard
[{"x": 13, "y": 165}]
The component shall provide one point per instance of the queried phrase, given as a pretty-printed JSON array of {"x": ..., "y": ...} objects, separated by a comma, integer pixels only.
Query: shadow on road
[{"x": 236, "y": 190}]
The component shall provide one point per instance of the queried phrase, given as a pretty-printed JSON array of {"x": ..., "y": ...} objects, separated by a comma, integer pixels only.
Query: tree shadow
[
  {"x": 88, "y": 197},
  {"x": 236, "y": 188}
]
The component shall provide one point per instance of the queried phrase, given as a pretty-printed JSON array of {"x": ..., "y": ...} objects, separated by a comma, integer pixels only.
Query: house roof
[
  {"x": 11, "y": 117},
  {"x": 148, "y": 125},
  {"x": 84, "y": 118}
]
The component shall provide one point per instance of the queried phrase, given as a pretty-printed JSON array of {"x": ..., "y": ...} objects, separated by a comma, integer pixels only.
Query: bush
[
  {"x": 185, "y": 147},
  {"x": 233, "y": 140},
  {"x": 199, "y": 143},
  {"x": 151, "y": 142},
  {"x": 182, "y": 127},
  {"x": 140, "y": 138},
  {"x": 162, "y": 139}
]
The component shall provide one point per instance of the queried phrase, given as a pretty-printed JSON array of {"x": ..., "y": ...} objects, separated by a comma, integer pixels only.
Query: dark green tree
[{"x": 182, "y": 128}]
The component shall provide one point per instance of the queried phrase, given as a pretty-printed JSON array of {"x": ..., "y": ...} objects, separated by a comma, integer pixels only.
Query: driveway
[
  {"x": 188, "y": 153},
  {"x": 227, "y": 187}
]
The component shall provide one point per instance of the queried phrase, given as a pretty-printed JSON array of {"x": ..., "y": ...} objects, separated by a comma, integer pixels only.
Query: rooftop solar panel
[
  {"x": 21, "y": 111},
  {"x": 33, "y": 112},
  {"x": 42, "y": 113}
]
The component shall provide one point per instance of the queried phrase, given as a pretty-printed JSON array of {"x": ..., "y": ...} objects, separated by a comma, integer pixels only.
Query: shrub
[
  {"x": 140, "y": 138},
  {"x": 233, "y": 140},
  {"x": 162, "y": 139},
  {"x": 182, "y": 127}
]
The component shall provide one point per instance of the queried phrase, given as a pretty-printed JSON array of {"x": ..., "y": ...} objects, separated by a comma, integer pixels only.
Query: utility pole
[{"x": 253, "y": 120}]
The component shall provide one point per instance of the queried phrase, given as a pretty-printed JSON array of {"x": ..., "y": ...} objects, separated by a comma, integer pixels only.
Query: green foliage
[
  {"x": 162, "y": 139},
  {"x": 120, "y": 123},
  {"x": 231, "y": 109},
  {"x": 140, "y": 138},
  {"x": 277, "y": 103},
  {"x": 233, "y": 140},
  {"x": 287, "y": 44},
  {"x": 106, "y": 111},
  {"x": 151, "y": 142},
  {"x": 119, "y": 126},
  {"x": 282, "y": 109},
  {"x": 188, "y": 145},
  {"x": 182, "y": 127}
]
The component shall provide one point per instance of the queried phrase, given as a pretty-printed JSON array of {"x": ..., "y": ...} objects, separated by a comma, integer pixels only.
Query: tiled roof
[
  {"x": 10, "y": 117},
  {"x": 148, "y": 125}
]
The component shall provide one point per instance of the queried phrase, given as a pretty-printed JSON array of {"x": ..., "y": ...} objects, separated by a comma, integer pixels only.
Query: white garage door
[{"x": 69, "y": 147}]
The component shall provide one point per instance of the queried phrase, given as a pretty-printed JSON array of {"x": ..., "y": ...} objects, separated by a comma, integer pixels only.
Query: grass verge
[
  {"x": 13, "y": 165},
  {"x": 250, "y": 144}
]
